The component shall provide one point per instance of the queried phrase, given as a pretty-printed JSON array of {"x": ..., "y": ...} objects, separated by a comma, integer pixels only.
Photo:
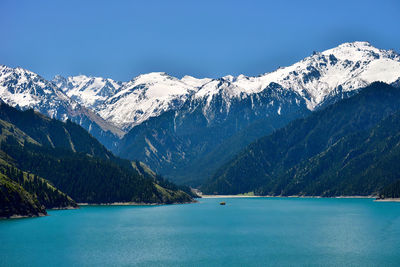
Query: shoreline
[
  {"x": 64, "y": 208},
  {"x": 23, "y": 216},
  {"x": 230, "y": 196},
  {"x": 92, "y": 204},
  {"x": 387, "y": 200},
  {"x": 295, "y": 196},
  {"x": 132, "y": 204}
]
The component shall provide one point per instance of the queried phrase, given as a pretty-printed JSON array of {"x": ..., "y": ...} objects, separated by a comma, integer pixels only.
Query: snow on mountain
[
  {"x": 25, "y": 89},
  {"x": 316, "y": 78},
  {"x": 90, "y": 92},
  {"x": 127, "y": 104},
  {"x": 195, "y": 82},
  {"x": 350, "y": 66},
  {"x": 147, "y": 96},
  {"x": 209, "y": 116}
]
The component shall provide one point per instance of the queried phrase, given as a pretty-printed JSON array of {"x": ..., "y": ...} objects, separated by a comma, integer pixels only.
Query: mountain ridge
[
  {"x": 127, "y": 104},
  {"x": 200, "y": 115},
  {"x": 24, "y": 89},
  {"x": 314, "y": 78}
]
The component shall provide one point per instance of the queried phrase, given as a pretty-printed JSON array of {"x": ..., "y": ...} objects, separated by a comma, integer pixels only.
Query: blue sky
[{"x": 207, "y": 38}]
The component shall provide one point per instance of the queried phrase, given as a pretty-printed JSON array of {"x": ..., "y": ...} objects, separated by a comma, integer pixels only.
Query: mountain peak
[
  {"x": 88, "y": 91},
  {"x": 152, "y": 78},
  {"x": 195, "y": 82},
  {"x": 16, "y": 70},
  {"x": 58, "y": 77},
  {"x": 358, "y": 44},
  {"x": 360, "y": 51}
]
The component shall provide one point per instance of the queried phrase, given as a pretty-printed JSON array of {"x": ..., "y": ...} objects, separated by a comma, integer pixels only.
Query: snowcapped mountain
[
  {"x": 25, "y": 89},
  {"x": 130, "y": 103},
  {"x": 348, "y": 66},
  {"x": 146, "y": 96},
  {"x": 316, "y": 79},
  {"x": 203, "y": 122},
  {"x": 90, "y": 92},
  {"x": 176, "y": 125},
  {"x": 189, "y": 143}
]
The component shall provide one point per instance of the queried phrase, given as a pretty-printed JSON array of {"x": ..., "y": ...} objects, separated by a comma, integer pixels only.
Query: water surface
[{"x": 247, "y": 231}]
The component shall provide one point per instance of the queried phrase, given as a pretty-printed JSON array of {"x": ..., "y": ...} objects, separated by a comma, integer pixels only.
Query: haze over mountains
[{"x": 187, "y": 128}]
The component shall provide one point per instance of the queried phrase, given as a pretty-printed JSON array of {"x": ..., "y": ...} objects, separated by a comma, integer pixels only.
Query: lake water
[{"x": 245, "y": 232}]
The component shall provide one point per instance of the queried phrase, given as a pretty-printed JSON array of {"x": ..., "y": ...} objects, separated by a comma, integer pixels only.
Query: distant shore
[
  {"x": 388, "y": 200},
  {"x": 229, "y": 196},
  {"x": 252, "y": 196},
  {"x": 118, "y": 204},
  {"x": 23, "y": 216},
  {"x": 64, "y": 208},
  {"x": 131, "y": 204}
]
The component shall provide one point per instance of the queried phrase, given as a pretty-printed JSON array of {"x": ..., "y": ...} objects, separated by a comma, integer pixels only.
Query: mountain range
[
  {"x": 315, "y": 79},
  {"x": 185, "y": 129}
]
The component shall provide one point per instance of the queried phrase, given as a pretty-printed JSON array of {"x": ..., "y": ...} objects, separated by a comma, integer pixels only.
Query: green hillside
[
  {"x": 310, "y": 156},
  {"x": 55, "y": 162},
  {"x": 16, "y": 201}
]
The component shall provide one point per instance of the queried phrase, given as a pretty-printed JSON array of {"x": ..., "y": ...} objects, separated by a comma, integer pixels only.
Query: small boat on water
[{"x": 222, "y": 203}]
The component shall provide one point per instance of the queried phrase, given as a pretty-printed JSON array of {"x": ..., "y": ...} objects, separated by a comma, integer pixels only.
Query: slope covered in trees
[
  {"x": 26, "y": 194},
  {"x": 362, "y": 163},
  {"x": 281, "y": 163},
  {"x": 85, "y": 178},
  {"x": 52, "y": 133},
  {"x": 390, "y": 191},
  {"x": 16, "y": 201},
  {"x": 33, "y": 147}
]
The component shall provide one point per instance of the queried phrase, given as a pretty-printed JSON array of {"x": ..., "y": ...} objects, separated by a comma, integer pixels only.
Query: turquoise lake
[{"x": 245, "y": 232}]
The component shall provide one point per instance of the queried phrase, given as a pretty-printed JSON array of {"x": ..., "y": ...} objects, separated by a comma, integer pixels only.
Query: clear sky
[{"x": 202, "y": 38}]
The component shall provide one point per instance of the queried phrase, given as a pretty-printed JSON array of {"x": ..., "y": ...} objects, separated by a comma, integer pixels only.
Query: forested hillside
[
  {"x": 33, "y": 147},
  {"x": 390, "y": 191},
  {"x": 25, "y": 194},
  {"x": 16, "y": 201},
  {"x": 318, "y": 155}
]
